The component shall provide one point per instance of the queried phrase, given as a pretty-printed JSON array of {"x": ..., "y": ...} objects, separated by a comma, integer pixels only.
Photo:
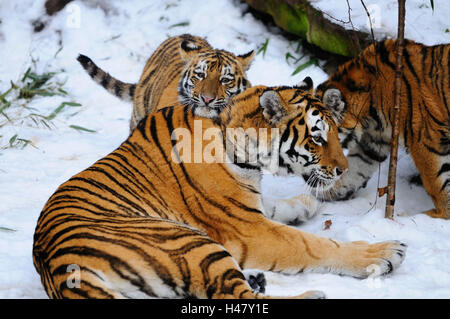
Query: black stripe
[
  {"x": 444, "y": 168},
  {"x": 245, "y": 165},
  {"x": 131, "y": 90},
  {"x": 108, "y": 189},
  {"x": 410, "y": 113},
  {"x": 372, "y": 154},
  {"x": 209, "y": 260},
  {"x": 105, "y": 80},
  {"x": 384, "y": 54},
  {"x": 117, "y": 89},
  {"x": 374, "y": 114},
  {"x": 93, "y": 71},
  {"x": 118, "y": 240},
  {"x": 445, "y": 184},
  {"x": 139, "y": 150},
  {"x": 409, "y": 64},
  {"x": 118, "y": 265},
  {"x": 243, "y": 206},
  {"x": 362, "y": 158},
  {"x": 435, "y": 151}
]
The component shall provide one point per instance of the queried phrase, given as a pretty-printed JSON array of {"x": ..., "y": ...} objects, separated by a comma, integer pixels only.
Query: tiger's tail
[{"x": 122, "y": 90}]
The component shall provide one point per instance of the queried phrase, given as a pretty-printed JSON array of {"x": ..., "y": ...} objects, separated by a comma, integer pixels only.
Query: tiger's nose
[
  {"x": 207, "y": 99},
  {"x": 339, "y": 171}
]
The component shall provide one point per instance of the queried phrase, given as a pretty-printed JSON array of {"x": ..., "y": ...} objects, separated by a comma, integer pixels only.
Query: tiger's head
[
  {"x": 211, "y": 77},
  {"x": 307, "y": 141}
]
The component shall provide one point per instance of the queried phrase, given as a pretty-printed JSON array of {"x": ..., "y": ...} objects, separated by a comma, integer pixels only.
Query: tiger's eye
[
  {"x": 226, "y": 80},
  {"x": 200, "y": 75},
  {"x": 318, "y": 139}
]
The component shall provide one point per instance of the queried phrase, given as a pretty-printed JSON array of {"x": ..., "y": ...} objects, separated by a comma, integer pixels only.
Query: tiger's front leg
[
  {"x": 363, "y": 159},
  {"x": 272, "y": 246}
]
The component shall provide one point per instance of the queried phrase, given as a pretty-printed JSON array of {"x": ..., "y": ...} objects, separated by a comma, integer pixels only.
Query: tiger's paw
[
  {"x": 313, "y": 294},
  {"x": 345, "y": 188},
  {"x": 374, "y": 260},
  {"x": 255, "y": 279},
  {"x": 291, "y": 211},
  {"x": 337, "y": 194},
  {"x": 434, "y": 213}
]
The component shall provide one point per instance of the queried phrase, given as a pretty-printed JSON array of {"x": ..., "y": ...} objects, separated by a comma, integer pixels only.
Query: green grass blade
[
  {"x": 304, "y": 66},
  {"x": 12, "y": 140},
  {"x": 74, "y": 104},
  {"x": 64, "y": 92},
  {"x": 6, "y": 229},
  {"x": 289, "y": 56},
  {"x": 60, "y": 108},
  {"x": 181, "y": 24},
  {"x": 80, "y": 128},
  {"x": 25, "y": 76},
  {"x": 263, "y": 49}
]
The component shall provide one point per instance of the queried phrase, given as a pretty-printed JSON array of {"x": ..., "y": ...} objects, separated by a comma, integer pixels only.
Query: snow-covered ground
[{"x": 120, "y": 36}]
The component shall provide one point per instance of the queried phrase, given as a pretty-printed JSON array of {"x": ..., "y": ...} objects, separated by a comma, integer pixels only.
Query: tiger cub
[
  {"x": 184, "y": 68},
  {"x": 139, "y": 223},
  {"x": 360, "y": 95}
]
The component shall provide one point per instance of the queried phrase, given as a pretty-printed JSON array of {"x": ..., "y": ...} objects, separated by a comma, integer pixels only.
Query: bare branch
[{"x": 390, "y": 200}]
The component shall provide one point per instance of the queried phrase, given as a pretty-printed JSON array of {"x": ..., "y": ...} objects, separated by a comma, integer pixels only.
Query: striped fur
[
  {"x": 361, "y": 97},
  {"x": 136, "y": 224},
  {"x": 183, "y": 69}
]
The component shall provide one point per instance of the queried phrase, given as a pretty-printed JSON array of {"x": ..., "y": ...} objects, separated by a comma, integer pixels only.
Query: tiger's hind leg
[
  {"x": 140, "y": 258},
  {"x": 435, "y": 173}
]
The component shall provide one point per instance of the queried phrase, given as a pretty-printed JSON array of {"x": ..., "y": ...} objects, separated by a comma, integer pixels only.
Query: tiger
[
  {"x": 184, "y": 68},
  {"x": 141, "y": 222},
  {"x": 360, "y": 95}
]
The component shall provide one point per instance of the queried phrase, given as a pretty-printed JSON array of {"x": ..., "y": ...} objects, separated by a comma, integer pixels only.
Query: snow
[
  {"x": 120, "y": 36},
  {"x": 422, "y": 23}
]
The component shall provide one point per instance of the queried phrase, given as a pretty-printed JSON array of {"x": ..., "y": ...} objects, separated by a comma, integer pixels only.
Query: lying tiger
[
  {"x": 137, "y": 224},
  {"x": 360, "y": 95},
  {"x": 184, "y": 68}
]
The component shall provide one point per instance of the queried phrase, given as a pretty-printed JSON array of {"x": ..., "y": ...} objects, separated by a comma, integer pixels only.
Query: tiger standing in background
[
  {"x": 138, "y": 224},
  {"x": 183, "y": 70},
  {"x": 360, "y": 95}
]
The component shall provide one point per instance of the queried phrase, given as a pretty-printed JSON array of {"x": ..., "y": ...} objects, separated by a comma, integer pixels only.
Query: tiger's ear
[
  {"x": 273, "y": 108},
  {"x": 334, "y": 101},
  {"x": 246, "y": 59},
  {"x": 188, "y": 50},
  {"x": 307, "y": 85}
]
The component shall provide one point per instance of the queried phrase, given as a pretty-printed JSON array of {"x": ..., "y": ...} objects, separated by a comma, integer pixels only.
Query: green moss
[
  {"x": 292, "y": 20},
  {"x": 288, "y": 18},
  {"x": 331, "y": 42}
]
